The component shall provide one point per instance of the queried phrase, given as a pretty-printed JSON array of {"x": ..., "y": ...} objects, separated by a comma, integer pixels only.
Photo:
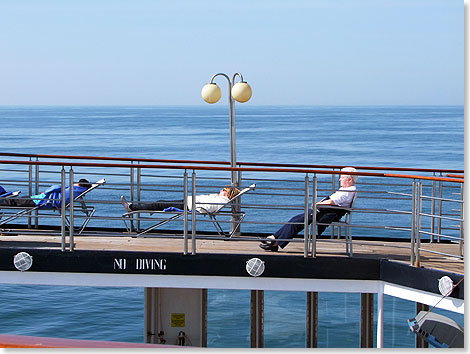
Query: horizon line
[{"x": 252, "y": 105}]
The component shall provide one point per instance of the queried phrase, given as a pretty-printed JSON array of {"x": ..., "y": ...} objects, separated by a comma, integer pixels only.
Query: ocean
[{"x": 395, "y": 136}]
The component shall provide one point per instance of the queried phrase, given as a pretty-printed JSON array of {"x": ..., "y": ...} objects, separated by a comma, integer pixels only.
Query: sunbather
[
  {"x": 204, "y": 203},
  {"x": 50, "y": 197},
  {"x": 342, "y": 198}
]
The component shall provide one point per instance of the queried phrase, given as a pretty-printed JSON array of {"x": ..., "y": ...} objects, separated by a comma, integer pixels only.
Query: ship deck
[{"x": 372, "y": 249}]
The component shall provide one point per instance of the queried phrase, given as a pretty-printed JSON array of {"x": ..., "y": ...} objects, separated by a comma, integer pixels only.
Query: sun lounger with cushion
[
  {"x": 178, "y": 213},
  {"x": 55, "y": 205}
]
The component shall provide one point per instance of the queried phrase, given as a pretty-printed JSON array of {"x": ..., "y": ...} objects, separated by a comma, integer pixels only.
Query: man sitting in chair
[
  {"x": 210, "y": 203},
  {"x": 50, "y": 197},
  {"x": 341, "y": 198}
]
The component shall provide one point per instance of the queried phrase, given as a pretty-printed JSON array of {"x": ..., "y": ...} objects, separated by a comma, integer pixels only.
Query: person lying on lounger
[
  {"x": 50, "y": 197},
  {"x": 341, "y": 198},
  {"x": 204, "y": 203}
]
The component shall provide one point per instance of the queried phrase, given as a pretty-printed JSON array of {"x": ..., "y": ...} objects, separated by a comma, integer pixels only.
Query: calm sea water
[{"x": 398, "y": 136}]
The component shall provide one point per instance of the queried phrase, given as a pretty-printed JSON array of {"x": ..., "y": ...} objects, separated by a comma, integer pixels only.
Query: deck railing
[{"x": 419, "y": 206}]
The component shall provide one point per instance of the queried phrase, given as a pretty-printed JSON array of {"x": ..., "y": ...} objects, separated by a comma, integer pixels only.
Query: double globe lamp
[{"x": 241, "y": 92}]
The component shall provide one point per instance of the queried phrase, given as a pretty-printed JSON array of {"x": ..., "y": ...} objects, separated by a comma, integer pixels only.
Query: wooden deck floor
[{"x": 397, "y": 251}]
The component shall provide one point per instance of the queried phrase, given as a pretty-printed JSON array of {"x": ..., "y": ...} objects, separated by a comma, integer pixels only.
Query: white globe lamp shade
[
  {"x": 241, "y": 91},
  {"x": 211, "y": 93}
]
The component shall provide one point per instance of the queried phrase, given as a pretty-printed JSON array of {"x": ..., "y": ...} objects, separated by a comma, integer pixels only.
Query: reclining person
[
  {"x": 210, "y": 203},
  {"x": 341, "y": 198},
  {"x": 50, "y": 197}
]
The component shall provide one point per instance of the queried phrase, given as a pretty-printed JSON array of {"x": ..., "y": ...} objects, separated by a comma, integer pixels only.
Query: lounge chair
[
  {"x": 178, "y": 213},
  {"x": 79, "y": 205}
]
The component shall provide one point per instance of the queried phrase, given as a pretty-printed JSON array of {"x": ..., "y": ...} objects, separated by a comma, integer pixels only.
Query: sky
[{"x": 295, "y": 52}]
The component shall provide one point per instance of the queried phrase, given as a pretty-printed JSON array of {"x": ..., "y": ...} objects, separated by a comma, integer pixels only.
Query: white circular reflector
[
  {"x": 255, "y": 267},
  {"x": 23, "y": 261},
  {"x": 445, "y": 285}
]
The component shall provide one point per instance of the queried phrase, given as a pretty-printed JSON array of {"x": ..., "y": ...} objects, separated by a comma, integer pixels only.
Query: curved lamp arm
[
  {"x": 224, "y": 75},
  {"x": 235, "y": 75}
]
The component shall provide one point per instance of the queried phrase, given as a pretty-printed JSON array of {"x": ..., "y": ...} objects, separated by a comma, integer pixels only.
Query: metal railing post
[
  {"x": 131, "y": 195},
  {"x": 462, "y": 234},
  {"x": 36, "y": 191},
  {"x": 193, "y": 214},
  {"x": 419, "y": 210},
  {"x": 62, "y": 213},
  {"x": 314, "y": 216},
  {"x": 185, "y": 223},
  {"x": 71, "y": 215},
  {"x": 413, "y": 222},
  {"x": 236, "y": 209},
  {"x": 433, "y": 210},
  {"x": 30, "y": 188},
  {"x": 139, "y": 186},
  {"x": 306, "y": 209},
  {"x": 439, "y": 220},
  {"x": 131, "y": 175},
  {"x": 333, "y": 189}
]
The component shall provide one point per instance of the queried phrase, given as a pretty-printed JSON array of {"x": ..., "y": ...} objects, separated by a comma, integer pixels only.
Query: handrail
[
  {"x": 265, "y": 164},
  {"x": 108, "y": 158},
  {"x": 217, "y": 168},
  {"x": 443, "y": 179},
  {"x": 376, "y": 168}
]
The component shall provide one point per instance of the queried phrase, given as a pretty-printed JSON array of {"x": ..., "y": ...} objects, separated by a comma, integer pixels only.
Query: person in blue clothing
[
  {"x": 52, "y": 197},
  {"x": 3, "y": 192}
]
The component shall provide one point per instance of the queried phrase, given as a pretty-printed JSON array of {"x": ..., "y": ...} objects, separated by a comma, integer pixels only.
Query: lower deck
[{"x": 180, "y": 282}]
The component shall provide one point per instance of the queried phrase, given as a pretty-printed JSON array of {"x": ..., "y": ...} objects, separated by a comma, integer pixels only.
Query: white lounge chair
[{"x": 176, "y": 214}]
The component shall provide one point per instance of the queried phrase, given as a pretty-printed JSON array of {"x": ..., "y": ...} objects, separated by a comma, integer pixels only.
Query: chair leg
[
  {"x": 87, "y": 220},
  {"x": 346, "y": 239},
  {"x": 349, "y": 249},
  {"x": 158, "y": 224}
]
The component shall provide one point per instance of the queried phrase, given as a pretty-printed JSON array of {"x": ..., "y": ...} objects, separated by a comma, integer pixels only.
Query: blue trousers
[{"x": 289, "y": 231}]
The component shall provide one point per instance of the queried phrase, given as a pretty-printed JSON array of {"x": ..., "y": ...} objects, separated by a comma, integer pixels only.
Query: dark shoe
[
  {"x": 268, "y": 241},
  {"x": 269, "y": 247}
]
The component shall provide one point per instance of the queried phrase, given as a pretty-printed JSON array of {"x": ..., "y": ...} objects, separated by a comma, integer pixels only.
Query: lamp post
[{"x": 239, "y": 91}]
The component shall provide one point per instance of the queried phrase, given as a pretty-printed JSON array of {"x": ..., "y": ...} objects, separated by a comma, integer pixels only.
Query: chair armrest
[{"x": 321, "y": 206}]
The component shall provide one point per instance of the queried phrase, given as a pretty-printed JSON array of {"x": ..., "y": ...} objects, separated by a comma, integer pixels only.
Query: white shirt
[
  {"x": 208, "y": 203},
  {"x": 344, "y": 196}
]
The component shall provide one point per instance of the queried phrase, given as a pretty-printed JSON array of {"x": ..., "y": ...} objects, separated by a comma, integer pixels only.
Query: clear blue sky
[{"x": 150, "y": 52}]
